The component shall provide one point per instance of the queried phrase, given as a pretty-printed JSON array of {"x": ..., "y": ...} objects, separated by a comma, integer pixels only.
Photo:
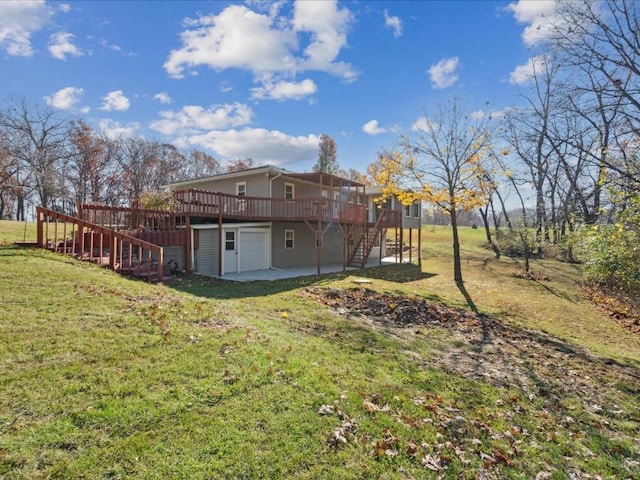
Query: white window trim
[
  {"x": 416, "y": 210},
  {"x": 407, "y": 210},
  {"x": 238, "y": 184},
  {"x": 293, "y": 239},
  {"x": 293, "y": 190},
  {"x": 227, "y": 241}
]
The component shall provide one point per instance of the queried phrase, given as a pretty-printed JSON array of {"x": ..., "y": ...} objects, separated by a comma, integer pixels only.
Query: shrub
[{"x": 610, "y": 253}]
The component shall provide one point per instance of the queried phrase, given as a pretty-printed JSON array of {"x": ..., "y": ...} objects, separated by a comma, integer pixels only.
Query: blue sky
[{"x": 264, "y": 79}]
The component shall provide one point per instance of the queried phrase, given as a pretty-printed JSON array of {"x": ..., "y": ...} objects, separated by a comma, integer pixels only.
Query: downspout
[
  {"x": 271, "y": 267},
  {"x": 271, "y": 184},
  {"x": 193, "y": 253}
]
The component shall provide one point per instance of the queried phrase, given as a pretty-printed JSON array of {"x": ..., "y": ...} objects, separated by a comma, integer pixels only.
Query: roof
[
  {"x": 240, "y": 173},
  {"x": 324, "y": 179}
]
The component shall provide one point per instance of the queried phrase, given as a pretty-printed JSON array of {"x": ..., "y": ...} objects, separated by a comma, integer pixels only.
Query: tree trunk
[
  {"x": 487, "y": 231},
  {"x": 20, "y": 209},
  {"x": 457, "y": 265}
]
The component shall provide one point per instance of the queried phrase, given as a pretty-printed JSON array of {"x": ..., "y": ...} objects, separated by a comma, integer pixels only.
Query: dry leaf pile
[{"x": 488, "y": 349}]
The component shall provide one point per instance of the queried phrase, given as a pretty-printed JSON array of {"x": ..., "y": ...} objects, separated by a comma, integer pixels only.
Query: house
[
  {"x": 270, "y": 218},
  {"x": 257, "y": 219}
]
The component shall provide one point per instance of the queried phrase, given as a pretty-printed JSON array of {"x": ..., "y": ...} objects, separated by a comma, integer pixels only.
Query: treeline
[
  {"x": 574, "y": 148},
  {"x": 57, "y": 162}
]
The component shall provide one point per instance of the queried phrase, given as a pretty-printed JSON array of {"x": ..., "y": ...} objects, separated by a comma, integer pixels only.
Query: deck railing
[
  {"x": 99, "y": 244},
  {"x": 130, "y": 220},
  {"x": 169, "y": 227},
  {"x": 212, "y": 204}
]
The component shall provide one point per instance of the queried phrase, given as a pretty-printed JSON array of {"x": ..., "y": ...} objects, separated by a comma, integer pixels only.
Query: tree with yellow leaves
[{"x": 442, "y": 162}]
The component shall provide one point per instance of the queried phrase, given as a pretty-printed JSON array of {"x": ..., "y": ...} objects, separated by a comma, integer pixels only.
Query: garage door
[{"x": 253, "y": 250}]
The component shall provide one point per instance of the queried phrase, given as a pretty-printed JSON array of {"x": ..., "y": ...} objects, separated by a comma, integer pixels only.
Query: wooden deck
[
  {"x": 98, "y": 244},
  {"x": 204, "y": 204}
]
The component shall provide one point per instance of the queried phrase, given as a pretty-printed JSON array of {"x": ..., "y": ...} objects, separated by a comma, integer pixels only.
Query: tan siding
[
  {"x": 304, "y": 253},
  {"x": 257, "y": 185}
]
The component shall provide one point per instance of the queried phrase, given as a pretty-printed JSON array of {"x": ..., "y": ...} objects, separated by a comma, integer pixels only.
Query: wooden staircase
[
  {"x": 122, "y": 252},
  {"x": 363, "y": 247},
  {"x": 365, "y": 237}
]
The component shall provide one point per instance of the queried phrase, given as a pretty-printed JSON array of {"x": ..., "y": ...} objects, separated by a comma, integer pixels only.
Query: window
[
  {"x": 230, "y": 241},
  {"x": 416, "y": 210},
  {"x": 241, "y": 189},
  {"x": 288, "y": 239},
  {"x": 289, "y": 191},
  {"x": 318, "y": 242},
  {"x": 407, "y": 210}
]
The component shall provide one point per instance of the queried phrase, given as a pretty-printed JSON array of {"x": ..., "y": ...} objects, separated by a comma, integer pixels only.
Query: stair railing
[{"x": 73, "y": 236}]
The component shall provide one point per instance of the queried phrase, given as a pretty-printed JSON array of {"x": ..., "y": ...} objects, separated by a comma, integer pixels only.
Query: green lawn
[{"x": 105, "y": 377}]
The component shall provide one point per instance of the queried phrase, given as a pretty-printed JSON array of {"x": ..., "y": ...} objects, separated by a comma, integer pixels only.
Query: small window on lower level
[
  {"x": 288, "y": 239},
  {"x": 230, "y": 241}
]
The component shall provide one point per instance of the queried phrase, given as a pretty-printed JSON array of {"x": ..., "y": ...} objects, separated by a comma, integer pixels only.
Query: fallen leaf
[{"x": 370, "y": 407}]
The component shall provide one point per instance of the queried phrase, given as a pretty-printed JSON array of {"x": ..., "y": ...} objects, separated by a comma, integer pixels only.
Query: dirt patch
[{"x": 483, "y": 348}]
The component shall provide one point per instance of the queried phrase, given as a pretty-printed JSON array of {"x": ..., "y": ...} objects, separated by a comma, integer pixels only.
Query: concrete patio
[{"x": 273, "y": 274}]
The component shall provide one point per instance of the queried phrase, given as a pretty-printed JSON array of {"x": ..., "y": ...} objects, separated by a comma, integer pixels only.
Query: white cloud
[
  {"x": 65, "y": 98},
  {"x": 162, "y": 97},
  {"x": 111, "y": 46},
  {"x": 284, "y": 90},
  {"x": 18, "y": 21},
  {"x": 523, "y": 73},
  {"x": 114, "y": 129},
  {"x": 266, "y": 44},
  {"x": 443, "y": 74},
  {"x": 115, "y": 101},
  {"x": 422, "y": 124},
  {"x": 193, "y": 119},
  {"x": 263, "y": 146},
  {"x": 60, "y": 46},
  {"x": 328, "y": 26},
  {"x": 64, "y": 7},
  {"x": 225, "y": 86},
  {"x": 394, "y": 23},
  {"x": 541, "y": 15},
  {"x": 236, "y": 38},
  {"x": 372, "y": 128},
  {"x": 480, "y": 114}
]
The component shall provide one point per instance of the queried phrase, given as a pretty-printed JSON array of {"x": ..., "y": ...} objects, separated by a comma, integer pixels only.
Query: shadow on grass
[
  {"x": 484, "y": 321},
  {"x": 210, "y": 287},
  {"x": 398, "y": 273}
]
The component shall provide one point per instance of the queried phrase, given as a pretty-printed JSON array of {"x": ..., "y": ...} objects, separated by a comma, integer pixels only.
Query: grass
[{"x": 106, "y": 377}]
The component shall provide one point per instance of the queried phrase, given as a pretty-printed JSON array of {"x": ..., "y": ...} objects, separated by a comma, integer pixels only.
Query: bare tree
[
  {"x": 89, "y": 164},
  {"x": 443, "y": 163},
  {"x": 527, "y": 132},
  {"x": 199, "y": 165},
  {"x": 37, "y": 140},
  {"x": 138, "y": 161},
  {"x": 239, "y": 164}
]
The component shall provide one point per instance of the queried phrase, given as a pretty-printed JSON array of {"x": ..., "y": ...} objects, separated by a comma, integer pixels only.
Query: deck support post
[{"x": 189, "y": 244}]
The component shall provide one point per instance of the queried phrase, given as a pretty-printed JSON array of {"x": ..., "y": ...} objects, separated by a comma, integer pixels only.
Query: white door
[
  {"x": 253, "y": 250},
  {"x": 229, "y": 251}
]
